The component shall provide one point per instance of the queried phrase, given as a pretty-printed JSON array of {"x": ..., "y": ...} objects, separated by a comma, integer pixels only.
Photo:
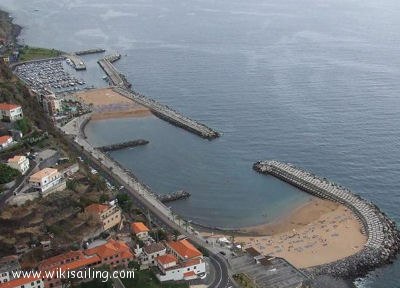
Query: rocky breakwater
[
  {"x": 383, "y": 236},
  {"x": 123, "y": 145},
  {"x": 168, "y": 114}
]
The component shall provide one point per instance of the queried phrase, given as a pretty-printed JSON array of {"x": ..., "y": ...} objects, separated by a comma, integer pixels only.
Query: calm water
[{"x": 311, "y": 82}]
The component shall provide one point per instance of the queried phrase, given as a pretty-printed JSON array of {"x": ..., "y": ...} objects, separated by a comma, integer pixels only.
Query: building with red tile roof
[
  {"x": 108, "y": 215},
  {"x": 27, "y": 282},
  {"x": 184, "y": 250},
  {"x": 140, "y": 230},
  {"x": 113, "y": 253},
  {"x": 189, "y": 265},
  {"x": 5, "y": 141},
  {"x": 10, "y": 112}
]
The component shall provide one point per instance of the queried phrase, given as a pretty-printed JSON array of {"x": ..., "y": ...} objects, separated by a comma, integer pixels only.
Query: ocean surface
[{"x": 315, "y": 83}]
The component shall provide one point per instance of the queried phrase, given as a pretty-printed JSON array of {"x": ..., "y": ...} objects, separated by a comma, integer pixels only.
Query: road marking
[{"x": 220, "y": 268}]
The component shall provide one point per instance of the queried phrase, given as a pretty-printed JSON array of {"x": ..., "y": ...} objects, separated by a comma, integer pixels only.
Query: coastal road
[{"x": 219, "y": 265}]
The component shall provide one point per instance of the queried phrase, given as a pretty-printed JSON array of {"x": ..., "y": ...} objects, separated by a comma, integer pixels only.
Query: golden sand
[
  {"x": 107, "y": 104},
  {"x": 316, "y": 233}
]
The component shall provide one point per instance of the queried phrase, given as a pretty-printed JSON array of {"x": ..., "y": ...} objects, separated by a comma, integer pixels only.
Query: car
[{"x": 222, "y": 253}]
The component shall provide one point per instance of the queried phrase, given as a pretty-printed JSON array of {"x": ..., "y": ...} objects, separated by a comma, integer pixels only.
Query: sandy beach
[
  {"x": 107, "y": 104},
  {"x": 316, "y": 233}
]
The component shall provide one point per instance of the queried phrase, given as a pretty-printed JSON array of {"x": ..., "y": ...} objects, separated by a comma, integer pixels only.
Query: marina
[
  {"x": 47, "y": 75},
  {"x": 383, "y": 237}
]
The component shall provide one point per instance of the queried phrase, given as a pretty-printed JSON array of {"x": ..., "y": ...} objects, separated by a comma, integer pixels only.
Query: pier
[
  {"x": 77, "y": 62},
  {"x": 178, "y": 195},
  {"x": 383, "y": 237},
  {"x": 90, "y": 51},
  {"x": 169, "y": 115},
  {"x": 114, "y": 76},
  {"x": 123, "y": 145}
]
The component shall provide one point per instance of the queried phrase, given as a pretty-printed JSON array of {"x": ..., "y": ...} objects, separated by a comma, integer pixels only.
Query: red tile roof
[
  {"x": 111, "y": 248},
  {"x": 96, "y": 208},
  {"x": 60, "y": 259},
  {"x": 8, "y": 106},
  {"x": 166, "y": 259},
  {"x": 4, "y": 139},
  {"x": 139, "y": 227},
  {"x": 19, "y": 282},
  {"x": 185, "y": 249}
]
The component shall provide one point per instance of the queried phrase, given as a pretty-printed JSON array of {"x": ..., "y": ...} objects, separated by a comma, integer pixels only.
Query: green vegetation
[
  {"x": 147, "y": 279},
  {"x": 23, "y": 125},
  {"x": 244, "y": 281},
  {"x": 27, "y": 53},
  {"x": 158, "y": 234},
  {"x": 97, "y": 283},
  {"x": 124, "y": 201},
  {"x": 7, "y": 174}
]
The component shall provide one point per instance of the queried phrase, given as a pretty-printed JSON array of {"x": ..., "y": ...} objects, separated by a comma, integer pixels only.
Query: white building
[
  {"x": 47, "y": 180},
  {"x": 5, "y": 141},
  {"x": 21, "y": 163},
  {"x": 184, "y": 262},
  {"x": 10, "y": 112},
  {"x": 150, "y": 253},
  {"x": 8, "y": 266}
]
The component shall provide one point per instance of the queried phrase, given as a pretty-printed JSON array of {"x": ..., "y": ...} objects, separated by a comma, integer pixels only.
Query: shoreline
[{"x": 315, "y": 233}]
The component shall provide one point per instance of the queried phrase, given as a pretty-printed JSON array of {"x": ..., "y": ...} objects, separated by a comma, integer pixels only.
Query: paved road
[{"x": 144, "y": 198}]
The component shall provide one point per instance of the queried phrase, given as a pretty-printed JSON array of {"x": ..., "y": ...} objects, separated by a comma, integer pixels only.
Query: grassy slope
[
  {"x": 30, "y": 53},
  {"x": 146, "y": 279}
]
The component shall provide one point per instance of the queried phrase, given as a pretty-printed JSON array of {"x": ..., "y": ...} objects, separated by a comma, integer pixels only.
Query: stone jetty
[
  {"x": 114, "y": 76},
  {"x": 383, "y": 242},
  {"x": 178, "y": 195},
  {"x": 123, "y": 145},
  {"x": 90, "y": 51},
  {"x": 166, "y": 113},
  {"x": 77, "y": 62}
]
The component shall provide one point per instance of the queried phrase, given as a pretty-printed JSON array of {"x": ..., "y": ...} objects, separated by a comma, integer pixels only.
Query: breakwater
[
  {"x": 123, "y": 145},
  {"x": 115, "y": 78},
  {"x": 90, "y": 51},
  {"x": 383, "y": 237},
  {"x": 178, "y": 195},
  {"x": 166, "y": 113},
  {"x": 113, "y": 57}
]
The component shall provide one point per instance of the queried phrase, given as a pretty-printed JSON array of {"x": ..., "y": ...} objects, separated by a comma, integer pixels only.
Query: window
[{"x": 188, "y": 269}]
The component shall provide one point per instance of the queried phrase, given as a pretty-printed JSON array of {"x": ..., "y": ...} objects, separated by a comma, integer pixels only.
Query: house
[
  {"x": 150, "y": 253},
  {"x": 183, "y": 250},
  {"x": 21, "y": 163},
  {"x": 5, "y": 141},
  {"x": 24, "y": 282},
  {"x": 140, "y": 230},
  {"x": 184, "y": 262},
  {"x": 113, "y": 253},
  {"x": 10, "y": 112},
  {"x": 72, "y": 260},
  {"x": 109, "y": 215},
  {"x": 47, "y": 180},
  {"x": 8, "y": 266}
]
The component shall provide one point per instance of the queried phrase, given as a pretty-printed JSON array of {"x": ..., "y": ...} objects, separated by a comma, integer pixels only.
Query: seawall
[{"x": 383, "y": 237}]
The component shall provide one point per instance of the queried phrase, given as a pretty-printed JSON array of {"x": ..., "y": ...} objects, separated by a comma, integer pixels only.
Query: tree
[
  {"x": 7, "y": 174},
  {"x": 134, "y": 265},
  {"x": 23, "y": 125}
]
